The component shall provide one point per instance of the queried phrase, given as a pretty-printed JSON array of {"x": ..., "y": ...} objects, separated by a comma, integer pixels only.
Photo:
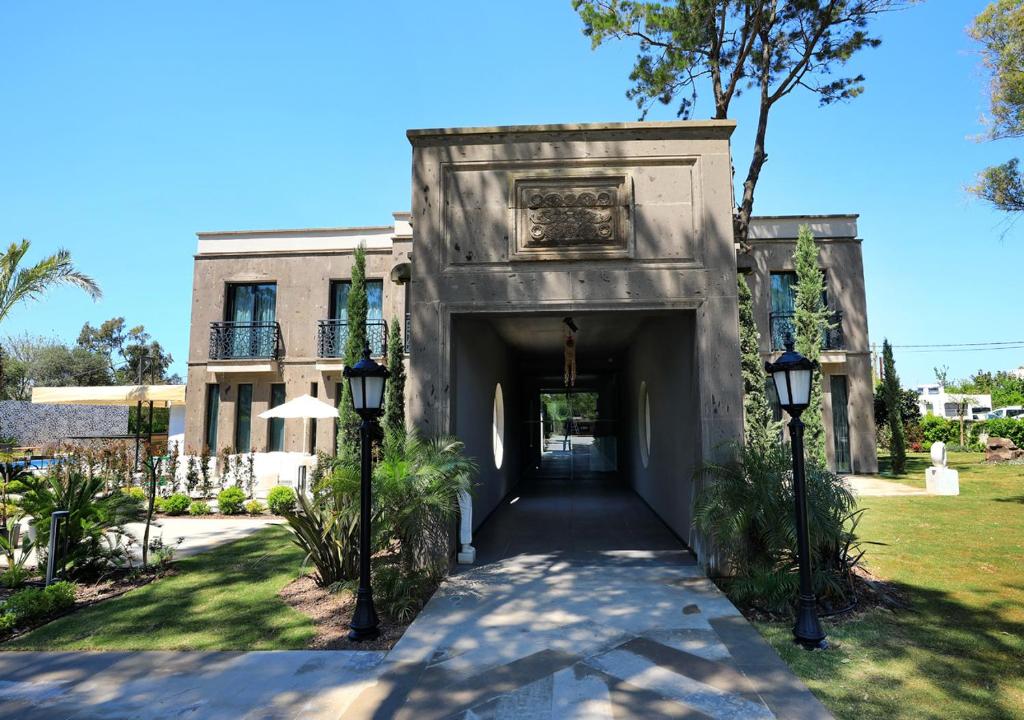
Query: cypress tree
[
  {"x": 891, "y": 393},
  {"x": 810, "y": 319},
  {"x": 760, "y": 430},
  {"x": 394, "y": 393},
  {"x": 355, "y": 342}
]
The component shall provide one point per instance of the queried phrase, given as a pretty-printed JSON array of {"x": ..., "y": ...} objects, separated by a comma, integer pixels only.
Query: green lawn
[
  {"x": 959, "y": 652},
  {"x": 224, "y": 599}
]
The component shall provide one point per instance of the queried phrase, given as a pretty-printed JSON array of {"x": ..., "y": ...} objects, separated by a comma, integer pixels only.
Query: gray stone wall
[{"x": 41, "y": 424}]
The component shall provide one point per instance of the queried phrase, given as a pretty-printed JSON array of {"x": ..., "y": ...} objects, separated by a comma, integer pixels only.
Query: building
[
  {"x": 932, "y": 399},
  {"x": 848, "y": 391},
  {"x": 517, "y": 235}
]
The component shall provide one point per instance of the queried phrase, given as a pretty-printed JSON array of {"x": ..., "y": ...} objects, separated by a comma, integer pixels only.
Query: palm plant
[
  {"x": 20, "y": 284},
  {"x": 416, "y": 491},
  {"x": 93, "y": 530},
  {"x": 416, "y": 486},
  {"x": 746, "y": 508}
]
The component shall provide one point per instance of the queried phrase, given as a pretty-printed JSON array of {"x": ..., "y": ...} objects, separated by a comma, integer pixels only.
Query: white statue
[
  {"x": 939, "y": 479},
  {"x": 467, "y": 554}
]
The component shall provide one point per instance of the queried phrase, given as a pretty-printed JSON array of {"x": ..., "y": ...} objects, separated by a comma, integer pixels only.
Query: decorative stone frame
[{"x": 589, "y": 215}]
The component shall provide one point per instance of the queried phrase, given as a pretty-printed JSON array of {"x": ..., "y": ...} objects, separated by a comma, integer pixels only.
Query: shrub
[
  {"x": 254, "y": 507},
  {"x": 746, "y": 509},
  {"x": 177, "y": 504},
  {"x": 199, "y": 507},
  {"x": 281, "y": 500},
  {"x": 159, "y": 504},
  {"x": 939, "y": 429},
  {"x": 32, "y": 604},
  {"x": 94, "y": 528},
  {"x": 135, "y": 493},
  {"x": 230, "y": 501},
  {"x": 400, "y": 594},
  {"x": 416, "y": 490},
  {"x": 14, "y": 576},
  {"x": 1001, "y": 427}
]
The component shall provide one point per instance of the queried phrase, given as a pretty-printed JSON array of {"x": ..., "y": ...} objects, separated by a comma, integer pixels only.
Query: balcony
[
  {"x": 245, "y": 340},
  {"x": 331, "y": 336},
  {"x": 783, "y": 324}
]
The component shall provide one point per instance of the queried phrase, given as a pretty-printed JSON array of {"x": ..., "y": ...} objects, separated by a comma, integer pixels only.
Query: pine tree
[
  {"x": 760, "y": 430},
  {"x": 394, "y": 393},
  {"x": 891, "y": 393},
  {"x": 355, "y": 343},
  {"x": 811, "y": 320}
]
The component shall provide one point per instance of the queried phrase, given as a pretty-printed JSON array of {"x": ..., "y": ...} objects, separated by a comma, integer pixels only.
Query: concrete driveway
[{"x": 200, "y": 534}]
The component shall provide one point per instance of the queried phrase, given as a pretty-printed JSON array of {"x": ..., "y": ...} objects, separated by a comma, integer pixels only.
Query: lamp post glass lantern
[
  {"x": 366, "y": 381},
  {"x": 793, "y": 375}
]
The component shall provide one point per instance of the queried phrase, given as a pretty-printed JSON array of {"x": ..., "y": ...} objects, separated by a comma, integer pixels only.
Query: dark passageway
[{"x": 573, "y": 517}]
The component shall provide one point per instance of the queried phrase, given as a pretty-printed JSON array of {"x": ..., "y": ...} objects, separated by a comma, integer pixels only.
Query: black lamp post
[
  {"x": 793, "y": 375},
  {"x": 366, "y": 380}
]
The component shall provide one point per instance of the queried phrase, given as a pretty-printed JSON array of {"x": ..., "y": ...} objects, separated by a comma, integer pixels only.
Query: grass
[
  {"x": 224, "y": 599},
  {"x": 959, "y": 651}
]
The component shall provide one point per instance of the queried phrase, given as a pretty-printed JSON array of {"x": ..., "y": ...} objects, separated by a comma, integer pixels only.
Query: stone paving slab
[
  {"x": 577, "y": 636},
  {"x": 318, "y": 685}
]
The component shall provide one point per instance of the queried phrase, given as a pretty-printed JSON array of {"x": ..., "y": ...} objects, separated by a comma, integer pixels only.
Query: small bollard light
[{"x": 57, "y": 518}]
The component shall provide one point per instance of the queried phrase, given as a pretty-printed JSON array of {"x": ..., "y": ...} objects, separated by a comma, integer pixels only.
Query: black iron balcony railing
[
  {"x": 783, "y": 324},
  {"x": 245, "y": 340},
  {"x": 331, "y": 336}
]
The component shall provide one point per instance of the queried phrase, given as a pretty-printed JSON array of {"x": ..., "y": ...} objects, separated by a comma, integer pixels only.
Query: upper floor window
[
  {"x": 333, "y": 332},
  {"x": 249, "y": 329},
  {"x": 252, "y": 303},
  {"x": 783, "y": 298},
  {"x": 340, "y": 290}
]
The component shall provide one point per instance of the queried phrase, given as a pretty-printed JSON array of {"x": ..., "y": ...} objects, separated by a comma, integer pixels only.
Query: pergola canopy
[{"x": 159, "y": 395}]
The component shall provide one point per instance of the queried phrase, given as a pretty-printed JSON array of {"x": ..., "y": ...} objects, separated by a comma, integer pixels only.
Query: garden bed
[
  {"x": 331, "y": 612},
  {"x": 86, "y": 595}
]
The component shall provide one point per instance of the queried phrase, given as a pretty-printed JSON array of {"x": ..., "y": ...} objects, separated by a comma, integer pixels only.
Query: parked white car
[{"x": 1013, "y": 411}]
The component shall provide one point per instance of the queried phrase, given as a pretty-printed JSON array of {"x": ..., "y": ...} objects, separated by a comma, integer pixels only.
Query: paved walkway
[
  {"x": 874, "y": 486},
  {"x": 312, "y": 685},
  {"x": 200, "y": 534},
  {"x": 615, "y": 620}
]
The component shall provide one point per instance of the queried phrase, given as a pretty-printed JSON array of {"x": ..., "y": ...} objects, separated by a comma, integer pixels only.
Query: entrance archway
[{"x": 579, "y": 474}]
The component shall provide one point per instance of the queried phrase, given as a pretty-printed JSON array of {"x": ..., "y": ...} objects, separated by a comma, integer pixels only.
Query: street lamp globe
[
  {"x": 792, "y": 374},
  {"x": 366, "y": 380}
]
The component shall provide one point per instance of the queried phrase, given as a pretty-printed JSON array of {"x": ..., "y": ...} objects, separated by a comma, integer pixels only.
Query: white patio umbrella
[{"x": 306, "y": 407}]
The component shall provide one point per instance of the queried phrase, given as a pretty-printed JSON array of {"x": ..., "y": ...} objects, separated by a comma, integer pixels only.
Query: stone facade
[
  {"x": 41, "y": 425},
  {"x": 627, "y": 228},
  {"x": 847, "y": 353},
  {"x": 302, "y": 264}
]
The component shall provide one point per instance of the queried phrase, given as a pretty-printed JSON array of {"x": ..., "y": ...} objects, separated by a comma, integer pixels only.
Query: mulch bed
[
  {"x": 331, "y": 613},
  {"x": 870, "y": 592},
  {"x": 89, "y": 594}
]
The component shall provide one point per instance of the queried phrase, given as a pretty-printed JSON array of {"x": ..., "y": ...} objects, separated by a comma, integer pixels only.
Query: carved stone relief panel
[{"x": 571, "y": 217}]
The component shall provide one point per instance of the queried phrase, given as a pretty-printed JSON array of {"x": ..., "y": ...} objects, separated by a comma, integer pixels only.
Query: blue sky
[{"x": 127, "y": 127}]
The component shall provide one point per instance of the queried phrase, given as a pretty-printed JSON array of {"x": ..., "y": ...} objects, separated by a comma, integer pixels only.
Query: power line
[
  {"x": 1014, "y": 343},
  {"x": 967, "y": 349}
]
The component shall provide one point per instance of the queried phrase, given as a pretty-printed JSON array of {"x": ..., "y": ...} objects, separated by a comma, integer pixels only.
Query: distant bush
[
  {"x": 199, "y": 507},
  {"x": 281, "y": 500},
  {"x": 1001, "y": 427},
  {"x": 939, "y": 429},
  {"x": 177, "y": 504},
  {"x": 231, "y": 501},
  {"x": 135, "y": 493},
  {"x": 254, "y": 507}
]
